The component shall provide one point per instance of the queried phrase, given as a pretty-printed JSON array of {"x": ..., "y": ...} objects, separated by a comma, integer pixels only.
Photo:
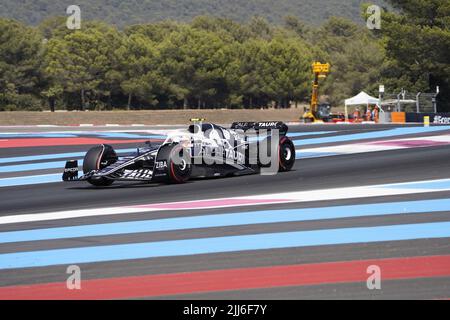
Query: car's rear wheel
[
  {"x": 98, "y": 158},
  {"x": 286, "y": 153}
]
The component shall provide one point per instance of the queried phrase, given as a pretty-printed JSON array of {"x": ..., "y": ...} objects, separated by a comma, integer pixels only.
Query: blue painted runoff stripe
[
  {"x": 371, "y": 135},
  {"x": 129, "y": 135},
  {"x": 48, "y": 165},
  {"x": 225, "y": 220},
  {"x": 42, "y": 157},
  {"x": 34, "y": 166},
  {"x": 313, "y": 133},
  {"x": 433, "y": 185},
  {"x": 305, "y": 155},
  {"x": 223, "y": 244},
  {"x": 53, "y": 156},
  {"x": 28, "y": 180}
]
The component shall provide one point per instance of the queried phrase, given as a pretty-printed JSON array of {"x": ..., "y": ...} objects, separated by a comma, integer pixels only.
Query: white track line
[{"x": 286, "y": 197}]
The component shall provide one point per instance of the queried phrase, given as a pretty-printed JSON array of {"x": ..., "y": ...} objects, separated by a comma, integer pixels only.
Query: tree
[
  {"x": 355, "y": 55},
  {"x": 132, "y": 12},
  {"x": 227, "y": 29},
  {"x": 20, "y": 51},
  {"x": 54, "y": 27},
  {"x": 417, "y": 42},
  {"x": 253, "y": 55},
  {"x": 216, "y": 62},
  {"x": 296, "y": 25},
  {"x": 79, "y": 61},
  {"x": 260, "y": 28},
  {"x": 275, "y": 70},
  {"x": 138, "y": 67},
  {"x": 195, "y": 62},
  {"x": 289, "y": 70},
  {"x": 155, "y": 32}
]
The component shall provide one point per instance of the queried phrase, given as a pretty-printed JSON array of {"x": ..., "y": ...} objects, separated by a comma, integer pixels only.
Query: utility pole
[
  {"x": 380, "y": 93},
  {"x": 417, "y": 102},
  {"x": 434, "y": 100}
]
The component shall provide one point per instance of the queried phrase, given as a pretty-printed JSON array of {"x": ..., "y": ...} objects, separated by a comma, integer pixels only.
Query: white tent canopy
[{"x": 361, "y": 98}]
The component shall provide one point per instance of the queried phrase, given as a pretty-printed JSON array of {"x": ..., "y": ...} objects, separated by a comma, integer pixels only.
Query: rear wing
[{"x": 265, "y": 125}]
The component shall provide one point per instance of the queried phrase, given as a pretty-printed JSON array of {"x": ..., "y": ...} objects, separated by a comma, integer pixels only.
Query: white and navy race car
[{"x": 203, "y": 150}]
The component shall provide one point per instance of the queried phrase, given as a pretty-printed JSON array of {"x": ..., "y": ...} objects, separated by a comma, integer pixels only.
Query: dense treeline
[
  {"x": 215, "y": 62},
  {"x": 124, "y": 13}
]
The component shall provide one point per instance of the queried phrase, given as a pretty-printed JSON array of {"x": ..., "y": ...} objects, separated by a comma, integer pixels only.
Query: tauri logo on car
[
  {"x": 267, "y": 124},
  {"x": 230, "y": 154}
]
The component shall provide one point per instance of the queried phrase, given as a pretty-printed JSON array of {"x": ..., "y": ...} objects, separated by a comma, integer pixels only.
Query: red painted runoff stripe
[
  {"x": 234, "y": 279},
  {"x": 36, "y": 142}
]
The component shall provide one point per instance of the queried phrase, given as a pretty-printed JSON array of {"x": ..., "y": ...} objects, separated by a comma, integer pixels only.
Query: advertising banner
[{"x": 435, "y": 118}]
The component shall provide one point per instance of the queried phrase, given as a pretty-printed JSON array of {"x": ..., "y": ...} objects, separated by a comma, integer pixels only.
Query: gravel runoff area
[{"x": 148, "y": 117}]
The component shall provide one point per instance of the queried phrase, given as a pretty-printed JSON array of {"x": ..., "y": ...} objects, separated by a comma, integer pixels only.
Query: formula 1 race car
[{"x": 203, "y": 150}]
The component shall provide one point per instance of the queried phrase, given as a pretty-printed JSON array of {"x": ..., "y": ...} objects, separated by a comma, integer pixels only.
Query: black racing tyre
[
  {"x": 286, "y": 154},
  {"x": 98, "y": 158},
  {"x": 179, "y": 165}
]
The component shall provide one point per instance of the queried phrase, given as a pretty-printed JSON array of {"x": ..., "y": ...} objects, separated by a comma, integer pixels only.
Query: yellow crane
[{"x": 316, "y": 113}]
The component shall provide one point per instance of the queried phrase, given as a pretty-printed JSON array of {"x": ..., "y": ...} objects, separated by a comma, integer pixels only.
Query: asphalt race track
[{"x": 359, "y": 196}]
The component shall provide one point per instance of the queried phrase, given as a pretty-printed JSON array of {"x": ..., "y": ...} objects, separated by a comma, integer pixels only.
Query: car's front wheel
[
  {"x": 98, "y": 158},
  {"x": 179, "y": 164}
]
